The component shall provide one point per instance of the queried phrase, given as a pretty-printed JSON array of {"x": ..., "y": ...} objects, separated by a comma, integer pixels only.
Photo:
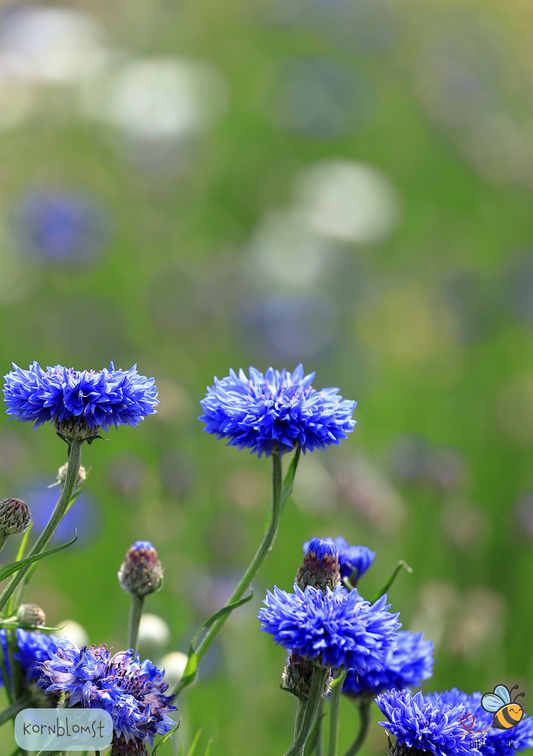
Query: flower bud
[
  {"x": 76, "y": 429},
  {"x": 296, "y": 678},
  {"x": 134, "y": 747},
  {"x": 31, "y": 614},
  {"x": 141, "y": 573},
  {"x": 321, "y": 566},
  {"x": 62, "y": 475},
  {"x": 15, "y": 517}
]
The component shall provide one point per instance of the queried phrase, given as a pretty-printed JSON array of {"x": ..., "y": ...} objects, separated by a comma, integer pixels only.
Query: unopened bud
[
  {"x": 141, "y": 573},
  {"x": 320, "y": 567},
  {"x": 62, "y": 475},
  {"x": 15, "y": 517},
  {"x": 31, "y": 614},
  {"x": 296, "y": 678}
]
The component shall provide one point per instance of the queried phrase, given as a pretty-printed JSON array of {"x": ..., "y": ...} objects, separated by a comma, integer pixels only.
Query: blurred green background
[{"x": 344, "y": 183}]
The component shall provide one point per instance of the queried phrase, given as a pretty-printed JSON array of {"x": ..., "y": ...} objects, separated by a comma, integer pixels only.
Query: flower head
[
  {"x": 423, "y": 725},
  {"x": 407, "y": 664},
  {"x": 79, "y": 400},
  {"x": 351, "y": 558},
  {"x": 276, "y": 411},
  {"x": 493, "y": 741},
  {"x": 33, "y": 649},
  {"x": 131, "y": 691},
  {"x": 321, "y": 565},
  {"x": 141, "y": 572},
  {"x": 336, "y": 628}
]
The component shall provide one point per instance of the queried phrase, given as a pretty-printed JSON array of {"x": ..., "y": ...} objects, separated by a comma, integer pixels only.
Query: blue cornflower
[
  {"x": 276, "y": 412},
  {"x": 132, "y": 692},
  {"x": 97, "y": 399},
  {"x": 410, "y": 662},
  {"x": 492, "y": 741},
  {"x": 351, "y": 558},
  {"x": 334, "y": 629},
  {"x": 424, "y": 725},
  {"x": 33, "y": 648}
]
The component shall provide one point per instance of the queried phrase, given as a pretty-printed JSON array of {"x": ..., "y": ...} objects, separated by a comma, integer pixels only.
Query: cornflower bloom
[
  {"x": 275, "y": 412},
  {"x": 79, "y": 402},
  {"x": 409, "y": 663},
  {"x": 334, "y": 628},
  {"x": 131, "y": 691},
  {"x": 351, "y": 558}
]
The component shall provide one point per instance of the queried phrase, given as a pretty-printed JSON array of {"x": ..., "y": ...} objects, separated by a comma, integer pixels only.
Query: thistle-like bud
[
  {"x": 62, "y": 475},
  {"x": 15, "y": 517},
  {"x": 296, "y": 678},
  {"x": 31, "y": 614},
  {"x": 141, "y": 573},
  {"x": 76, "y": 429},
  {"x": 400, "y": 749},
  {"x": 320, "y": 567}
]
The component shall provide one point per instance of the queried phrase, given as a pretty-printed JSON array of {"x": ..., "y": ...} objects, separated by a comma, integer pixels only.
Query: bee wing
[
  {"x": 491, "y": 702},
  {"x": 503, "y": 693}
]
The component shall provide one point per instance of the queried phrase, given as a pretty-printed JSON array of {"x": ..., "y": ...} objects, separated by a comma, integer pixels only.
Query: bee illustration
[{"x": 507, "y": 713}]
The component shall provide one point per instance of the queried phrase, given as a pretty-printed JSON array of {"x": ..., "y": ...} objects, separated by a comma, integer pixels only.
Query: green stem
[
  {"x": 334, "y": 711},
  {"x": 74, "y": 462},
  {"x": 12, "y": 711},
  {"x": 319, "y": 750},
  {"x": 364, "y": 724},
  {"x": 136, "y": 612},
  {"x": 316, "y": 691},
  {"x": 254, "y": 566}
]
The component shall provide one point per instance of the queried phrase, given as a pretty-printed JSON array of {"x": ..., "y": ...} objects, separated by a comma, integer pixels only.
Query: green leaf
[
  {"x": 221, "y": 612},
  {"x": 22, "y": 547},
  {"x": 312, "y": 740},
  {"x": 289, "y": 477},
  {"x": 190, "y": 670},
  {"x": 339, "y": 680},
  {"x": 166, "y": 737},
  {"x": 391, "y": 580},
  {"x": 208, "y": 749},
  {"x": 194, "y": 743},
  {"x": 16, "y": 566}
]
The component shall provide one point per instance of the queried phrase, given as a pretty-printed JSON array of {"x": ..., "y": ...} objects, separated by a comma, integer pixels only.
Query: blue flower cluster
[
  {"x": 334, "y": 629},
  {"x": 99, "y": 398},
  {"x": 410, "y": 662},
  {"x": 427, "y": 725},
  {"x": 276, "y": 411},
  {"x": 492, "y": 741},
  {"x": 351, "y": 558},
  {"x": 132, "y": 692},
  {"x": 33, "y": 647}
]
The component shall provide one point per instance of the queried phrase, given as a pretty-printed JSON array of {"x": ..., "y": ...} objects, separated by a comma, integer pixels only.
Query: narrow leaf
[
  {"x": 166, "y": 737},
  {"x": 339, "y": 680},
  {"x": 190, "y": 670},
  {"x": 16, "y": 566},
  {"x": 312, "y": 741},
  {"x": 194, "y": 743},
  {"x": 391, "y": 580},
  {"x": 221, "y": 612},
  {"x": 208, "y": 749}
]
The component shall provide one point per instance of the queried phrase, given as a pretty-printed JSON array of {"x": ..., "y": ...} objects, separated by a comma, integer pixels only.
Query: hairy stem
[
  {"x": 334, "y": 711},
  {"x": 74, "y": 462},
  {"x": 136, "y": 612},
  {"x": 316, "y": 691}
]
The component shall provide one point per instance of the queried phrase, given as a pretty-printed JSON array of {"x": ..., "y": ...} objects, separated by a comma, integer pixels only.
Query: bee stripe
[{"x": 506, "y": 716}]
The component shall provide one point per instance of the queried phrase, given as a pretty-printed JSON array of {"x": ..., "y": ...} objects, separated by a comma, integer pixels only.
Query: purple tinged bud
[
  {"x": 141, "y": 573},
  {"x": 320, "y": 568},
  {"x": 296, "y": 678},
  {"x": 15, "y": 517},
  {"x": 31, "y": 614}
]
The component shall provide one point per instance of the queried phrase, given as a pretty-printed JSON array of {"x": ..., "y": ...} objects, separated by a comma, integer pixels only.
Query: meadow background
[{"x": 195, "y": 186}]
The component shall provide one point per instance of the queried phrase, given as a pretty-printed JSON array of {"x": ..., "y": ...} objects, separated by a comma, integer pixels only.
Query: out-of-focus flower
[
  {"x": 407, "y": 664},
  {"x": 33, "y": 648},
  {"x": 132, "y": 692},
  {"x": 75, "y": 400},
  {"x": 335, "y": 629},
  {"x": 276, "y": 411},
  {"x": 31, "y": 614},
  {"x": 421, "y": 725},
  {"x": 59, "y": 226}
]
